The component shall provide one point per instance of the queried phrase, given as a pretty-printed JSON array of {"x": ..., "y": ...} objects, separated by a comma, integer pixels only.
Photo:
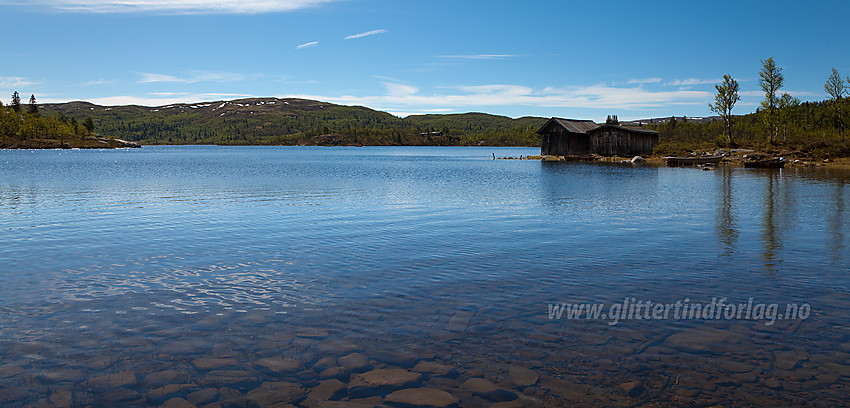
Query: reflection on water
[
  {"x": 261, "y": 276},
  {"x": 726, "y": 227}
]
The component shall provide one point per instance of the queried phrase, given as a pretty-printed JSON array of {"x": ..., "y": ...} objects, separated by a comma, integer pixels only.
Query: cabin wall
[
  {"x": 562, "y": 143},
  {"x": 557, "y": 141},
  {"x": 618, "y": 142}
]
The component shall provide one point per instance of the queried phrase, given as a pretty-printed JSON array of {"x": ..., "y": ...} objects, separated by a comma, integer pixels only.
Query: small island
[{"x": 29, "y": 129}]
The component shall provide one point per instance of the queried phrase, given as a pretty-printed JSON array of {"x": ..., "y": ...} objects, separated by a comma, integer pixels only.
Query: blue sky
[{"x": 584, "y": 59}]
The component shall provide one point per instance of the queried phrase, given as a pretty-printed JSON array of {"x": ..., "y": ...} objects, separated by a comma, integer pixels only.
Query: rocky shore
[{"x": 88, "y": 142}]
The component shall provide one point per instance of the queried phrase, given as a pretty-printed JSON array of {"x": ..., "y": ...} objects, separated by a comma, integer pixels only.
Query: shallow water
[{"x": 124, "y": 272}]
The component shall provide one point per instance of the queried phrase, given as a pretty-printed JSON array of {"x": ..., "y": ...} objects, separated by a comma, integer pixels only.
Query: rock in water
[
  {"x": 422, "y": 397},
  {"x": 522, "y": 377},
  {"x": 484, "y": 388},
  {"x": 638, "y": 159},
  {"x": 381, "y": 380}
]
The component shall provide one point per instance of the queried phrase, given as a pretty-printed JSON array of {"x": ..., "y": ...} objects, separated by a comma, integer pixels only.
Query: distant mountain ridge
[{"x": 292, "y": 121}]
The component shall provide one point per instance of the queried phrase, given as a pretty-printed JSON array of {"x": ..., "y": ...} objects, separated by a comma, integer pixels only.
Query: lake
[{"x": 362, "y": 276}]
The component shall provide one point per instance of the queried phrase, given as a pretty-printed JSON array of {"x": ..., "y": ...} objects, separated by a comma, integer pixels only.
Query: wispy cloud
[
  {"x": 154, "y": 100},
  {"x": 307, "y": 45},
  {"x": 11, "y": 82},
  {"x": 101, "y": 81},
  {"x": 193, "y": 77},
  {"x": 366, "y": 34},
  {"x": 398, "y": 97},
  {"x": 176, "y": 6},
  {"x": 148, "y": 78},
  {"x": 692, "y": 81},
  {"x": 644, "y": 81},
  {"x": 480, "y": 56}
]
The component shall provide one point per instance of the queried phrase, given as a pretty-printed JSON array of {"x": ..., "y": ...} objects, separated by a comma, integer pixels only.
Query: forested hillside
[
  {"x": 270, "y": 121},
  {"x": 808, "y": 128}
]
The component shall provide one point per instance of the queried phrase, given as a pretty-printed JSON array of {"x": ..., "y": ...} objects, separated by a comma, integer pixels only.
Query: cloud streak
[
  {"x": 366, "y": 34},
  {"x": 307, "y": 45},
  {"x": 480, "y": 56},
  {"x": 644, "y": 81},
  {"x": 197, "y": 76},
  {"x": 692, "y": 81},
  {"x": 398, "y": 97},
  {"x": 11, "y": 82},
  {"x": 176, "y": 6}
]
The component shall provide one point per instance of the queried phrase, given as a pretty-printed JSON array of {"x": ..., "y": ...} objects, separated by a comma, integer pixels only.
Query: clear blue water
[{"x": 440, "y": 254}]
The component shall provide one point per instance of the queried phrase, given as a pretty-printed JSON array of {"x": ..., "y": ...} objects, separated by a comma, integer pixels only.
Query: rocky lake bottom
[{"x": 412, "y": 277}]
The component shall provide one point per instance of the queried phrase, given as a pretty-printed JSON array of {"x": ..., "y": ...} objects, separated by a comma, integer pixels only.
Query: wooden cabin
[
  {"x": 571, "y": 137},
  {"x": 566, "y": 137},
  {"x": 613, "y": 140}
]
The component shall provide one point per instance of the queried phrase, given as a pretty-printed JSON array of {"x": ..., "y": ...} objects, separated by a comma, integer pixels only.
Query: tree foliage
[
  {"x": 836, "y": 89},
  {"x": 771, "y": 80},
  {"x": 32, "y": 109},
  {"x": 724, "y": 101},
  {"x": 16, "y": 102}
]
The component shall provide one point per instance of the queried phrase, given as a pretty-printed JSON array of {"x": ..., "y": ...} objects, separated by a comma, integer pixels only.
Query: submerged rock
[
  {"x": 114, "y": 380},
  {"x": 160, "y": 378},
  {"x": 340, "y": 373},
  {"x": 203, "y": 396},
  {"x": 484, "y": 388},
  {"x": 280, "y": 365},
  {"x": 381, "y": 380},
  {"x": 436, "y": 369},
  {"x": 274, "y": 393},
  {"x": 324, "y": 363},
  {"x": 326, "y": 390},
  {"x": 177, "y": 403},
  {"x": 211, "y": 363},
  {"x": 632, "y": 388},
  {"x": 355, "y": 362},
  {"x": 522, "y": 377},
  {"x": 10, "y": 370},
  {"x": 422, "y": 397}
]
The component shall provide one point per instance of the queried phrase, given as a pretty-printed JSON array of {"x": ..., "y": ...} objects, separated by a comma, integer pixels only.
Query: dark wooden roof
[
  {"x": 627, "y": 129},
  {"x": 571, "y": 125}
]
